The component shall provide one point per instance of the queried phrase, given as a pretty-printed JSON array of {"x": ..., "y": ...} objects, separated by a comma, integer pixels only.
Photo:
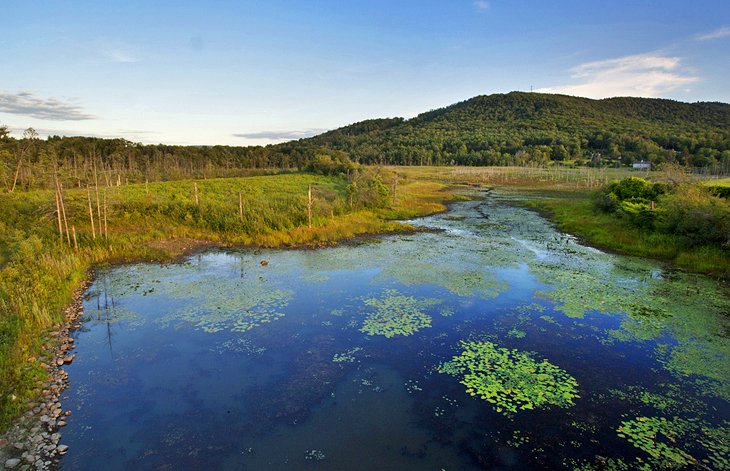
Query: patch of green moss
[{"x": 510, "y": 379}]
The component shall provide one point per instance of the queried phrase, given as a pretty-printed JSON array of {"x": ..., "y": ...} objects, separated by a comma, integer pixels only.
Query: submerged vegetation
[{"x": 510, "y": 379}]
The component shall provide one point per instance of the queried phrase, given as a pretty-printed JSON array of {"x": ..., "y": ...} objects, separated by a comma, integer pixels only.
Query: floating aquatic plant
[
  {"x": 510, "y": 379},
  {"x": 396, "y": 314},
  {"x": 669, "y": 442},
  {"x": 516, "y": 333},
  {"x": 348, "y": 356}
]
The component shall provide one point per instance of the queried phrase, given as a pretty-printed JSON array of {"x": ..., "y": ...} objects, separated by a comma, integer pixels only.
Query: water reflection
[{"x": 334, "y": 359}]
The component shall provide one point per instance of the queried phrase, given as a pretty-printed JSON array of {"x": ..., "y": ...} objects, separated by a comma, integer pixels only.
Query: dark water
[{"x": 222, "y": 363}]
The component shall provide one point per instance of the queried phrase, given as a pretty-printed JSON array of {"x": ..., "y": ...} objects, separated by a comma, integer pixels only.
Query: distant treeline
[{"x": 522, "y": 129}]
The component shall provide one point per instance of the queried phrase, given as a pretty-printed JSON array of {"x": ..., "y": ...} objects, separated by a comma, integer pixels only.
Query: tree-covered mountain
[
  {"x": 518, "y": 128},
  {"x": 504, "y": 129}
]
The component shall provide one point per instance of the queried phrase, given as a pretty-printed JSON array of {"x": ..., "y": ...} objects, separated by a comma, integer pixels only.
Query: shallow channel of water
[{"x": 360, "y": 357}]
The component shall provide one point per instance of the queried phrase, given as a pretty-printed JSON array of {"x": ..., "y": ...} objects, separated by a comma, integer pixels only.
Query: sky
[{"x": 261, "y": 72}]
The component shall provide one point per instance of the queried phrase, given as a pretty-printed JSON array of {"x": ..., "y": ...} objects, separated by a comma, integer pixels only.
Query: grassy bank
[
  {"x": 40, "y": 268},
  {"x": 566, "y": 196},
  {"x": 574, "y": 212}
]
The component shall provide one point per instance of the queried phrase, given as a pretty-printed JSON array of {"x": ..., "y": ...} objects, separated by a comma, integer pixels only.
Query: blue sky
[{"x": 242, "y": 73}]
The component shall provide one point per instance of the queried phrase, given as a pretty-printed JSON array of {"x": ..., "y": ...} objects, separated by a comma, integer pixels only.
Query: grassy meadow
[{"x": 40, "y": 268}]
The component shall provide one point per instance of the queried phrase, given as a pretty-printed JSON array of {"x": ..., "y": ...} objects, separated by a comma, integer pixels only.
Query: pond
[{"x": 491, "y": 341}]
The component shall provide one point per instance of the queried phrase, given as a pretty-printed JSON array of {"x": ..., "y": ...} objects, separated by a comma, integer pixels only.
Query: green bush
[
  {"x": 636, "y": 190},
  {"x": 693, "y": 212}
]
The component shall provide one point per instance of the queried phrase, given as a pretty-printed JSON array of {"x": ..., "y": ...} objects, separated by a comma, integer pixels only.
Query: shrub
[{"x": 694, "y": 213}]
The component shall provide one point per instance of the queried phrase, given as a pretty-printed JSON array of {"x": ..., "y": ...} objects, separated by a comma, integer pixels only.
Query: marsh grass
[
  {"x": 575, "y": 213},
  {"x": 566, "y": 196},
  {"x": 39, "y": 271}
]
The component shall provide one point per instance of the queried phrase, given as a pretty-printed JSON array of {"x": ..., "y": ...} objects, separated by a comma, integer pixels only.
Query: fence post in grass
[
  {"x": 76, "y": 244},
  {"x": 309, "y": 206},
  {"x": 240, "y": 207},
  {"x": 197, "y": 201}
]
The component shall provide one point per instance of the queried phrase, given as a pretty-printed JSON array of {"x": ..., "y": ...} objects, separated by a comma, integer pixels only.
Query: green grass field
[{"x": 40, "y": 269}]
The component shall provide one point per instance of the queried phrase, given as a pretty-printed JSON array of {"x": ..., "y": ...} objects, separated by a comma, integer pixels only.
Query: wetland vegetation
[
  {"x": 485, "y": 335},
  {"x": 529, "y": 350}
]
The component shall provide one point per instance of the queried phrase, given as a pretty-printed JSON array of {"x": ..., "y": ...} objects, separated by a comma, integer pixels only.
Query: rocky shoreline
[{"x": 34, "y": 441}]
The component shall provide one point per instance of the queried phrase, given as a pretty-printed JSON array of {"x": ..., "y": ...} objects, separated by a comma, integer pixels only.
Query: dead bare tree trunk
[
  {"x": 395, "y": 186},
  {"x": 197, "y": 201},
  {"x": 76, "y": 244},
  {"x": 58, "y": 212},
  {"x": 240, "y": 207},
  {"x": 29, "y": 135},
  {"x": 63, "y": 211},
  {"x": 91, "y": 212},
  {"x": 106, "y": 232},
  {"x": 309, "y": 206},
  {"x": 96, "y": 190}
]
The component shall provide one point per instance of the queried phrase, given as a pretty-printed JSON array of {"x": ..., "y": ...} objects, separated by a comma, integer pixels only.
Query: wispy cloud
[
  {"x": 644, "y": 75},
  {"x": 25, "y": 103},
  {"x": 481, "y": 5},
  {"x": 119, "y": 55},
  {"x": 280, "y": 135},
  {"x": 117, "y": 51},
  {"x": 719, "y": 33}
]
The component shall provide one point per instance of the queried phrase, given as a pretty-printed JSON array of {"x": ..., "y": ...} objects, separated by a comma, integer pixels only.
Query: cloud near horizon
[
  {"x": 719, "y": 33},
  {"x": 280, "y": 135},
  {"x": 642, "y": 75},
  {"x": 27, "y": 104}
]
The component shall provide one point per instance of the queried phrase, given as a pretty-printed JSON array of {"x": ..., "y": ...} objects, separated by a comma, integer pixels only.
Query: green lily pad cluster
[
  {"x": 348, "y": 356},
  {"x": 396, "y": 314},
  {"x": 667, "y": 441},
  {"x": 510, "y": 379}
]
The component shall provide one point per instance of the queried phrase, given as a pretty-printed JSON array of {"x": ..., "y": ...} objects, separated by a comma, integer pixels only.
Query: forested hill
[
  {"x": 516, "y": 128},
  {"x": 510, "y": 129}
]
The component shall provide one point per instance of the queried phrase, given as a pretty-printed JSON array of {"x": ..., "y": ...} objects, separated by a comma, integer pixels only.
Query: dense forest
[{"x": 523, "y": 129}]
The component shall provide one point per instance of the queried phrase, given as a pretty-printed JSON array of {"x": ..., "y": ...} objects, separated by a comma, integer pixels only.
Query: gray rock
[
  {"x": 12, "y": 463},
  {"x": 62, "y": 449}
]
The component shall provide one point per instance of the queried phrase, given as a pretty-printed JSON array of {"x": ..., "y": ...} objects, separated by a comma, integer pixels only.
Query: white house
[{"x": 642, "y": 165}]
